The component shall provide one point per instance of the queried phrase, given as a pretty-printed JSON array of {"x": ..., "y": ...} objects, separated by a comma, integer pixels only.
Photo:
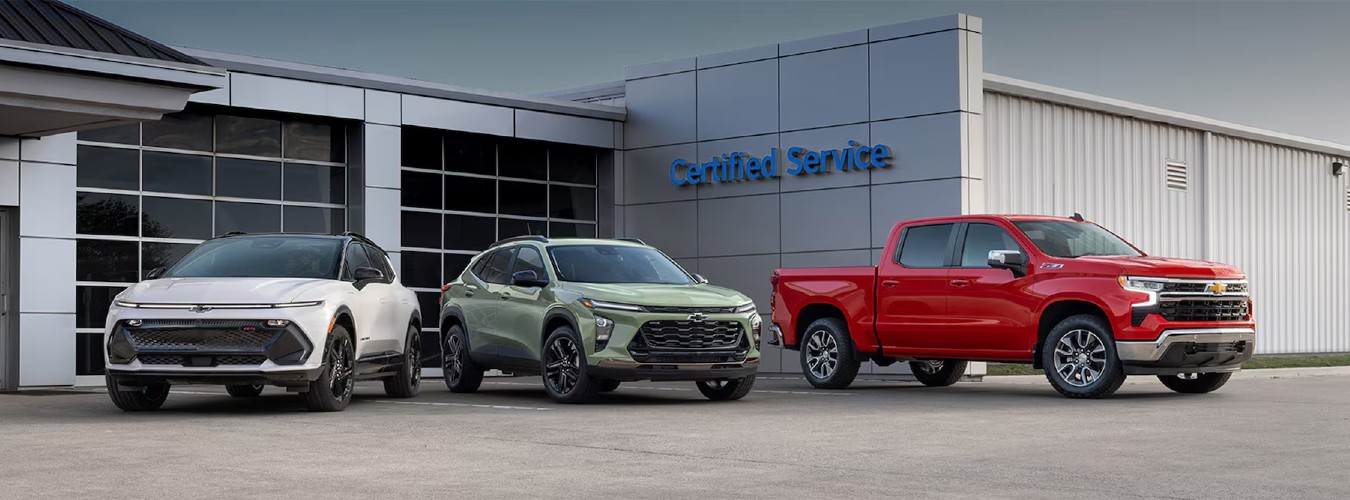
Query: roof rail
[
  {"x": 358, "y": 236},
  {"x": 633, "y": 240},
  {"x": 528, "y": 237},
  {"x": 232, "y": 233}
]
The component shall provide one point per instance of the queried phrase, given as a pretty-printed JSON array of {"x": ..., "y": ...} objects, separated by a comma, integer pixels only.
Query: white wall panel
[
  {"x": 9, "y": 182},
  {"x": 295, "y": 96}
]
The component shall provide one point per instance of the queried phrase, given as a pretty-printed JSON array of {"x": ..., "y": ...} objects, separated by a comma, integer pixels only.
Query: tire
[
  {"x": 828, "y": 358},
  {"x": 1201, "y": 384},
  {"x": 564, "y": 370},
  {"x": 408, "y": 382},
  {"x": 244, "y": 390},
  {"x": 460, "y": 372},
  {"x": 333, "y": 390},
  {"x": 726, "y": 390},
  {"x": 1079, "y": 356},
  {"x": 609, "y": 385},
  {"x": 149, "y": 398},
  {"x": 938, "y": 373}
]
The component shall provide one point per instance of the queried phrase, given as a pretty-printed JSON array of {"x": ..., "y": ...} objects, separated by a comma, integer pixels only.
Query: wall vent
[
  {"x": 1177, "y": 175},
  {"x": 1347, "y": 200}
]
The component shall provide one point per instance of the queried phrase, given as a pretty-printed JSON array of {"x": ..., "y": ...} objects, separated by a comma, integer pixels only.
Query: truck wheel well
[
  {"x": 813, "y": 312},
  {"x": 1053, "y": 315}
]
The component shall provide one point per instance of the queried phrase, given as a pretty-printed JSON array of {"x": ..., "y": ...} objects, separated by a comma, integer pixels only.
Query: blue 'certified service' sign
[{"x": 737, "y": 167}]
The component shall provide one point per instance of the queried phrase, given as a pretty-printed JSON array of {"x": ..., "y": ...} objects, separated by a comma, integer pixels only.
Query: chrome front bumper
[{"x": 1153, "y": 351}]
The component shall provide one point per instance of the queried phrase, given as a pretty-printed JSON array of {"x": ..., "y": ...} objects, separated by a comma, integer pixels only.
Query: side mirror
[
  {"x": 1011, "y": 260},
  {"x": 700, "y": 279},
  {"x": 527, "y": 279},
  {"x": 154, "y": 273},
  {"x": 368, "y": 274}
]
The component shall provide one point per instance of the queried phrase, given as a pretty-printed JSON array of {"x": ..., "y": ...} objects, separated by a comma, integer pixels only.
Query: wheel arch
[
  {"x": 810, "y": 313},
  {"x": 1057, "y": 310},
  {"x": 343, "y": 316},
  {"x": 556, "y": 317}
]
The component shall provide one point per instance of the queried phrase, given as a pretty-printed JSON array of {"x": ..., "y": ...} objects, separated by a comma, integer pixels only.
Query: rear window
[{"x": 925, "y": 246}]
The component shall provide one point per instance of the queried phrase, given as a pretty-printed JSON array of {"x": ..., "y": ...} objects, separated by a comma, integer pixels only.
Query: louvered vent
[
  {"x": 1177, "y": 176},
  {"x": 1347, "y": 200}
]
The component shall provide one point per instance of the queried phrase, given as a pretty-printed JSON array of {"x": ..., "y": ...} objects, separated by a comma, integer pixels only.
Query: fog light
[
  {"x": 604, "y": 327},
  {"x": 133, "y": 322},
  {"x": 277, "y": 323},
  {"x": 757, "y": 325}
]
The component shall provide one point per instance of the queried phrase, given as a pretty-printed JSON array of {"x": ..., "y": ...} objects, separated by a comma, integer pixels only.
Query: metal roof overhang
[{"x": 47, "y": 90}]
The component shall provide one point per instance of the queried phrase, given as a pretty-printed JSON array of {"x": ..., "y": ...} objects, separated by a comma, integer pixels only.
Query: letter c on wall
[{"x": 677, "y": 164}]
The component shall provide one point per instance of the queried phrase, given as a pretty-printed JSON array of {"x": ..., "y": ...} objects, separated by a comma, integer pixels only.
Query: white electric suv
[{"x": 312, "y": 313}]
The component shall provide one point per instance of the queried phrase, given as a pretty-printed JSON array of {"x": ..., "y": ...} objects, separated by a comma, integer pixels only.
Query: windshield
[
  {"x": 1074, "y": 239},
  {"x": 261, "y": 257},
  {"x": 616, "y": 264}
]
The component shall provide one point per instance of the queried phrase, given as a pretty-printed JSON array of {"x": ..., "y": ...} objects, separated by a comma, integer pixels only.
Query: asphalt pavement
[{"x": 1259, "y": 437}]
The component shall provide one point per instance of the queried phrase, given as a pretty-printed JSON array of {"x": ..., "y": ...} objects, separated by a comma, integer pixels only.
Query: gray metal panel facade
[{"x": 1275, "y": 211}]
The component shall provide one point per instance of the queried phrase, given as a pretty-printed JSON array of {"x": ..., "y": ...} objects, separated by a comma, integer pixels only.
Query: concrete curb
[{"x": 1262, "y": 373}]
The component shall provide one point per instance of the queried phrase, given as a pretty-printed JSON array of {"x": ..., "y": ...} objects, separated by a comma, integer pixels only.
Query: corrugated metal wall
[{"x": 1277, "y": 212}]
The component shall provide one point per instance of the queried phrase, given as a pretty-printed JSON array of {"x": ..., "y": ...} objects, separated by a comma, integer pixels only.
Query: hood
[
  {"x": 219, "y": 290},
  {"x": 1164, "y": 267},
  {"x": 697, "y": 295}
]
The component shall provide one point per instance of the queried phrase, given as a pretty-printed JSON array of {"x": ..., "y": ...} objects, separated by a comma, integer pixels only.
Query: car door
[
  {"x": 364, "y": 302},
  {"x": 988, "y": 307},
  {"x": 522, "y": 328},
  {"x": 471, "y": 295},
  {"x": 490, "y": 306},
  {"x": 912, "y": 288},
  {"x": 395, "y": 308}
]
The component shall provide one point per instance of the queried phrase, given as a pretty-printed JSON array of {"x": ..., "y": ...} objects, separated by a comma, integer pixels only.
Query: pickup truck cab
[{"x": 1063, "y": 294}]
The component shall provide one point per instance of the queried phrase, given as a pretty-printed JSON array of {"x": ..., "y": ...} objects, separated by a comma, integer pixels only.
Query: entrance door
[{"x": 7, "y": 307}]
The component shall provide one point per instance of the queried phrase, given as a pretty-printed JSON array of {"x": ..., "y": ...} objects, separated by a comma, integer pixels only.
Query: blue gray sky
[{"x": 1280, "y": 65}]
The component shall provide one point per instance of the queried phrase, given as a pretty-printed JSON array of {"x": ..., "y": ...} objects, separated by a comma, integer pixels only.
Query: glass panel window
[
  {"x": 431, "y": 348},
  {"x": 498, "y": 266},
  {"x": 925, "y": 246},
  {"x": 455, "y": 264},
  {"x": 572, "y": 164},
  {"x": 470, "y": 153},
  {"x": 188, "y": 131},
  {"x": 980, "y": 240},
  {"x": 247, "y": 217},
  {"x": 510, "y": 228},
  {"x": 523, "y": 159},
  {"x": 528, "y": 259},
  {"x": 109, "y": 168},
  {"x": 113, "y": 214},
  {"x": 89, "y": 354},
  {"x": 524, "y": 198},
  {"x": 163, "y": 255},
  {"x": 570, "y": 230},
  {"x": 421, "y": 190},
  {"x": 248, "y": 136},
  {"x": 315, "y": 183},
  {"x": 463, "y": 232},
  {"x": 176, "y": 218},
  {"x": 313, "y": 220},
  {"x": 421, "y": 229},
  {"x": 421, "y": 269},
  {"x": 470, "y": 194},
  {"x": 237, "y": 178},
  {"x": 430, "y": 303},
  {"x": 102, "y": 260},
  {"x": 314, "y": 141},
  {"x": 421, "y": 148},
  {"x": 566, "y": 202},
  {"x": 177, "y": 173},
  {"x": 91, "y": 305},
  {"x": 129, "y": 134}
]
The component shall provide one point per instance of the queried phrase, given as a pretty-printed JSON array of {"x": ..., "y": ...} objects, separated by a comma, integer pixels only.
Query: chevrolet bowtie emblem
[
  {"x": 1216, "y": 288},
  {"x": 698, "y": 317},
  {"x": 200, "y": 308}
]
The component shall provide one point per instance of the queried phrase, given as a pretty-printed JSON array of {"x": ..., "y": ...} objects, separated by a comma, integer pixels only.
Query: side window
[
  {"x": 925, "y": 246},
  {"x": 354, "y": 258},
  {"x": 528, "y": 259},
  {"x": 481, "y": 264},
  {"x": 980, "y": 240},
  {"x": 380, "y": 261},
  {"x": 498, "y": 267}
]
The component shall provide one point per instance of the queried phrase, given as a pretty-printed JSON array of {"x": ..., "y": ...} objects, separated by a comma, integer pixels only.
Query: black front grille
[
  {"x": 182, "y": 360},
  {"x": 203, "y": 336},
  {"x": 1204, "y": 310},
  {"x": 685, "y": 334},
  {"x": 1201, "y": 287},
  {"x": 160, "y": 359}
]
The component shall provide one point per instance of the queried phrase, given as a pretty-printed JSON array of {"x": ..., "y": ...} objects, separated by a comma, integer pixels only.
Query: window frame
[
  {"x": 946, "y": 253},
  {"x": 958, "y": 252},
  {"x": 509, "y": 264}
]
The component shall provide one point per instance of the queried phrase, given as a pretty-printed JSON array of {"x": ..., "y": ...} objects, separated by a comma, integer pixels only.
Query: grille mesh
[
  {"x": 1204, "y": 310},
  {"x": 202, "y": 338},
  {"x": 685, "y": 334}
]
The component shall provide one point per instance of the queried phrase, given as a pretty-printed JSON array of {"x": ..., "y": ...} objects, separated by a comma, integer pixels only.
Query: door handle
[
  {"x": 889, "y": 283},
  {"x": 471, "y": 287},
  {"x": 960, "y": 282},
  {"x": 506, "y": 296}
]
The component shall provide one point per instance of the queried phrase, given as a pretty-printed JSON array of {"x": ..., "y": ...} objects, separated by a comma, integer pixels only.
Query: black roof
[{"x": 49, "y": 22}]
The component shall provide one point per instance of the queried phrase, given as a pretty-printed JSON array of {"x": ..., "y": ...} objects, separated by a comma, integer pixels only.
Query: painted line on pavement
[
  {"x": 686, "y": 389},
  {"x": 463, "y": 405}
]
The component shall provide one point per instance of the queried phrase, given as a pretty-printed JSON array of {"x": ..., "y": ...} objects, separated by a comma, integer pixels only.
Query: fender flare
[{"x": 556, "y": 312}]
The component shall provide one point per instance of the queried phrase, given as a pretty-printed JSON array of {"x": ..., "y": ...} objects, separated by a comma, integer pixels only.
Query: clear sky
[{"x": 1281, "y": 65}]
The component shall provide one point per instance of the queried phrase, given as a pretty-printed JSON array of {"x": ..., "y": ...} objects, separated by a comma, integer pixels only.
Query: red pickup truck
[{"x": 1063, "y": 294}]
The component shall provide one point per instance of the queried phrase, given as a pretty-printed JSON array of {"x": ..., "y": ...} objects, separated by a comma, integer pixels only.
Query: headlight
[
  {"x": 311, "y": 303},
  {"x": 123, "y": 303},
  {"x": 746, "y": 308},
  {"x": 596, "y": 304},
  {"x": 1150, "y": 286}
]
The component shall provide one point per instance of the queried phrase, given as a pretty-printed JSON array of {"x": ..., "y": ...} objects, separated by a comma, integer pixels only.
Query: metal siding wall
[
  {"x": 1281, "y": 217},
  {"x": 1278, "y": 213},
  {"x": 1049, "y": 159}
]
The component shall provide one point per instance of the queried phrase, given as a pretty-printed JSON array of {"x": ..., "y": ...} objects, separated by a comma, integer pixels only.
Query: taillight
[
  {"x": 773, "y": 280},
  {"x": 445, "y": 288}
]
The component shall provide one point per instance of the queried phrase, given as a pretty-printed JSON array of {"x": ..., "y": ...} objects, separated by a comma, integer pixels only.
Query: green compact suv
[{"x": 588, "y": 314}]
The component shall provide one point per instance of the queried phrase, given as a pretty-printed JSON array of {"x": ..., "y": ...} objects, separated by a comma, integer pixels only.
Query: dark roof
[{"x": 49, "y": 22}]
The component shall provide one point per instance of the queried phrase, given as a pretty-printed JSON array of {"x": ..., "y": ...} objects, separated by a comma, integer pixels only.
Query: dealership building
[{"x": 118, "y": 154}]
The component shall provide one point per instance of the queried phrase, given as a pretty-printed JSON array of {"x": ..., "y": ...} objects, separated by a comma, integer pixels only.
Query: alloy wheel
[
  {"x": 1080, "y": 357},
  {"x": 931, "y": 366},
  {"x": 415, "y": 359},
  {"x": 341, "y": 375},
  {"x": 822, "y": 354},
  {"x": 451, "y": 362},
  {"x": 563, "y": 368}
]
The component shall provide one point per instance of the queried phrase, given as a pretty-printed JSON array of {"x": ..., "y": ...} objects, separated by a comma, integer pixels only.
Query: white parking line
[
  {"x": 684, "y": 389},
  {"x": 463, "y": 405}
]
